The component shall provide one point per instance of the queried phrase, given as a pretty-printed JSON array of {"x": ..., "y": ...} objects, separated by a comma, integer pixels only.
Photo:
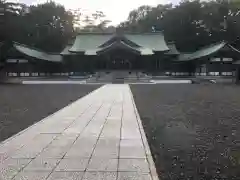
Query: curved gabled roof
[
  {"x": 184, "y": 56},
  {"x": 118, "y": 45},
  {"x": 154, "y": 41},
  {"x": 146, "y": 51},
  {"x": 172, "y": 49},
  {"x": 207, "y": 51},
  {"x": 38, "y": 54},
  {"x": 91, "y": 42},
  {"x": 119, "y": 38},
  {"x": 84, "y": 42},
  {"x": 66, "y": 51}
]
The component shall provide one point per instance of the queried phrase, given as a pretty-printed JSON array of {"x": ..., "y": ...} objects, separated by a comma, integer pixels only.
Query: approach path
[{"x": 98, "y": 137}]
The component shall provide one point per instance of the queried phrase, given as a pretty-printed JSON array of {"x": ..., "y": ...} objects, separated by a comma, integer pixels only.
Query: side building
[
  {"x": 103, "y": 52},
  {"x": 92, "y": 52},
  {"x": 28, "y": 61},
  {"x": 217, "y": 59},
  {"x": 145, "y": 52}
]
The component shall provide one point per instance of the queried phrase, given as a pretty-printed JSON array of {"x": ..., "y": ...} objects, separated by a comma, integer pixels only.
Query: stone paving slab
[
  {"x": 98, "y": 137},
  {"x": 66, "y": 176}
]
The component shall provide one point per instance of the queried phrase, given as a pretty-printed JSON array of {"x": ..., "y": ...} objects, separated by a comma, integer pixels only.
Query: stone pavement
[{"x": 98, "y": 137}]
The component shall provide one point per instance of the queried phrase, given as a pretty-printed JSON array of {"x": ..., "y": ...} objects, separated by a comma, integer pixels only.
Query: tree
[
  {"x": 53, "y": 29},
  {"x": 10, "y": 16},
  {"x": 138, "y": 20},
  {"x": 95, "y": 22},
  {"x": 47, "y": 26},
  {"x": 196, "y": 23}
]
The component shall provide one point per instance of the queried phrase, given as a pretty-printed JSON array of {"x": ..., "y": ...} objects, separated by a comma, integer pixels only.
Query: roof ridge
[
  {"x": 95, "y": 33},
  {"x": 145, "y": 33},
  {"x": 171, "y": 43},
  {"x": 119, "y": 42},
  {"x": 115, "y": 43},
  {"x": 120, "y": 34},
  {"x": 233, "y": 48}
]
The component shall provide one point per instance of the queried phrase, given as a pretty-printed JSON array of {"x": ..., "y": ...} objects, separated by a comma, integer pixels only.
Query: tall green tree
[
  {"x": 49, "y": 26},
  {"x": 191, "y": 23},
  {"x": 96, "y": 22},
  {"x": 10, "y": 17}
]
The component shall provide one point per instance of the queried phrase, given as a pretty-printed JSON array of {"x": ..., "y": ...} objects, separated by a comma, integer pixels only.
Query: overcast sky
[{"x": 115, "y": 10}]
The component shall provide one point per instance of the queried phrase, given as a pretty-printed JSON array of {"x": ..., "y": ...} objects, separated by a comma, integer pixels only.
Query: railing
[
  {"x": 34, "y": 74},
  {"x": 130, "y": 76},
  {"x": 199, "y": 74},
  {"x": 45, "y": 74}
]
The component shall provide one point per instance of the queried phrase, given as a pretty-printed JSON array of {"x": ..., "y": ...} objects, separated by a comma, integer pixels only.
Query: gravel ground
[
  {"x": 193, "y": 130},
  {"x": 24, "y": 105}
]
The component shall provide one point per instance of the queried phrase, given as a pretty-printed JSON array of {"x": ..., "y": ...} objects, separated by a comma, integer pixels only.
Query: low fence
[
  {"x": 34, "y": 74},
  {"x": 200, "y": 74},
  {"x": 40, "y": 74},
  {"x": 67, "y": 74}
]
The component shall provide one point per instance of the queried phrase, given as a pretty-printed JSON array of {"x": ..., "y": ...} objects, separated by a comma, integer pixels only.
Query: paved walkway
[{"x": 98, "y": 137}]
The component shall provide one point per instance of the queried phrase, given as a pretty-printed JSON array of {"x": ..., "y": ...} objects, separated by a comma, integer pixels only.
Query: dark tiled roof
[
  {"x": 207, "y": 51},
  {"x": 172, "y": 49},
  {"x": 147, "y": 42},
  {"x": 36, "y": 53}
]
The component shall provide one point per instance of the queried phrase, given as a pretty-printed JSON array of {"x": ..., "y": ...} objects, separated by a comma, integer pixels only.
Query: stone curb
[{"x": 151, "y": 163}]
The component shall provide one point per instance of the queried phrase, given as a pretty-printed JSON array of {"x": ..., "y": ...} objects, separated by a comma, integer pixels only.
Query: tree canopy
[
  {"x": 46, "y": 26},
  {"x": 191, "y": 23}
]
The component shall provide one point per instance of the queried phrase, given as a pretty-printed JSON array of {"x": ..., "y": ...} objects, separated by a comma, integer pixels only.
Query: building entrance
[{"x": 118, "y": 63}]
